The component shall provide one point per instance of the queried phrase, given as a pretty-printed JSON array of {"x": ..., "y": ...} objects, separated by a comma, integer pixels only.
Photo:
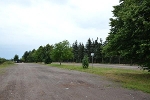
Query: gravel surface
[{"x": 39, "y": 82}]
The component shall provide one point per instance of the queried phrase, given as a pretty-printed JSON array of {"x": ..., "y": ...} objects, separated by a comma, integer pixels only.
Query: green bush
[
  {"x": 7, "y": 63},
  {"x": 85, "y": 62},
  {"x": 2, "y": 60}
]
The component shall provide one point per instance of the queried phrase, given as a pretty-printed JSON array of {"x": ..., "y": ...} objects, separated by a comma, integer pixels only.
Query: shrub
[
  {"x": 85, "y": 62},
  {"x": 2, "y": 60}
]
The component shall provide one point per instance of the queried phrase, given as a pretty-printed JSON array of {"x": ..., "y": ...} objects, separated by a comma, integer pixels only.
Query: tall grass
[
  {"x": 132, "y": 79},
  {"x": 4, "y": 65}
]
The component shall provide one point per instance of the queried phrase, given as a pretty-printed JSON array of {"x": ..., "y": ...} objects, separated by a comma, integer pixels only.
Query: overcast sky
[{"x": 28, "y": 24}]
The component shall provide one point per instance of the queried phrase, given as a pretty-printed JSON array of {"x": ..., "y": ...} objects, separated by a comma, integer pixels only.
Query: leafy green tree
[
  {"x": 129, "y": 35},
  {"x": 31, "y": 56},
  {"x": 16, "y": 57},
  {"x": 40, "y": 53},
  {"x": 35, "y": 56},
  {"x": 62, "y": 51},
  {"x": 47, "y": 57},
  {"x": 25, "y": 56}
]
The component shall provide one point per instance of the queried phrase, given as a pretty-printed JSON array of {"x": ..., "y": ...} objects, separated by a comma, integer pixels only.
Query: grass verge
[
  {"x": 132, "y": 79},
  {"x": 4, "y": 65}
]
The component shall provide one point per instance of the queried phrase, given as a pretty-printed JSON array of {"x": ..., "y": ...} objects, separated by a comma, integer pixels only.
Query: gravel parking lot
[{"x": 26, "y": 81}]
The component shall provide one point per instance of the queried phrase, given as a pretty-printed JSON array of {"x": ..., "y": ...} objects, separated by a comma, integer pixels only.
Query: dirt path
[{"x": 39, "y": 82}]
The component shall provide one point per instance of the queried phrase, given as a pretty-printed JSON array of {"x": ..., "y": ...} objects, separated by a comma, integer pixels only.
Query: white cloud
[{"x": 35, "y": 22}]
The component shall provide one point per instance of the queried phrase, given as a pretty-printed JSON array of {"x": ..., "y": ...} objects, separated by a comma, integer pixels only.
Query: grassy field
[
  {"x": 5, "y": 64},
  {"x": 132, "y": 79}
]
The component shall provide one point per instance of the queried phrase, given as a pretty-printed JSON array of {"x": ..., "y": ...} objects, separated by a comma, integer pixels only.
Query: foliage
[
  {"x": 8, "y": 62},
  {"x": 75, "y": 51},
  {"x": 89, "y": 49},
  {"x": 47, "y": 58},
  {"x": 62, "y": 51},
  {"x": 2, "y": 60},
  {"x": 85, "y": 62},
  {"x": 129, "y": 35},
  {"x": 79, "y": 50},
  {"x": 16, "y": 57},
  {"x": 98, "y": 47},
  {"x": 42, "y": 54},
  {"x": 25, "y": 56},
  {"x": 101, "y": 50}
]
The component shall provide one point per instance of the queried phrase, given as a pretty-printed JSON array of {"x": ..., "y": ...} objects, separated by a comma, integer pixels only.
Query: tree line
[
  {"x": 129, "y": 36},
  {"x": 64, "y": 52},
  {"x": 128, "y": 41}
]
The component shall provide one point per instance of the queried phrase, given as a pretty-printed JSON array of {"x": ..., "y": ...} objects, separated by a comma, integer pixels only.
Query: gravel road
[{"x": 39, "y": 82}]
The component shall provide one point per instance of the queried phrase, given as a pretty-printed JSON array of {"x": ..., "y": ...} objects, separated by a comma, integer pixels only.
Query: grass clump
[
  {"x": 132, "y": 79},
  {"x": 4, "y": 65}
]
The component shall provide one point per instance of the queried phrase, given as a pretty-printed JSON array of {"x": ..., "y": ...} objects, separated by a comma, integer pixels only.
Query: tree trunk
[{"x": 60, "y": 62}]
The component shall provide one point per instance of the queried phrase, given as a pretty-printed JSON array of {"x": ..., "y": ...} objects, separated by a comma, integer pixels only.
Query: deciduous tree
[
  {"x": 129, "y": 35},
  {"x": 62, "y": 51}
]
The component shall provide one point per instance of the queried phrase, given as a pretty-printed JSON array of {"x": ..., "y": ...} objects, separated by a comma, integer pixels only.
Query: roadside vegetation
[
  {"x": 2, "y": 60},
  {"x": 132, "y": 79},
  {"x": 4, "y": 65}
]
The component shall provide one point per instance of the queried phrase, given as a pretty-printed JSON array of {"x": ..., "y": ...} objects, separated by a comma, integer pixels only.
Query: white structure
[{"x": 92, "y": 54}]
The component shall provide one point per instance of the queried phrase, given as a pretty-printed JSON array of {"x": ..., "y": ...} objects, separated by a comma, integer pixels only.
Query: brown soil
[{"x": 39, "y": 82}]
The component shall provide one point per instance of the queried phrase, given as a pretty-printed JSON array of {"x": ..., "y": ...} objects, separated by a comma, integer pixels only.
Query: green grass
[
  {"x": 132, "y": 79},
  {"x": 4, "y": 65}
]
